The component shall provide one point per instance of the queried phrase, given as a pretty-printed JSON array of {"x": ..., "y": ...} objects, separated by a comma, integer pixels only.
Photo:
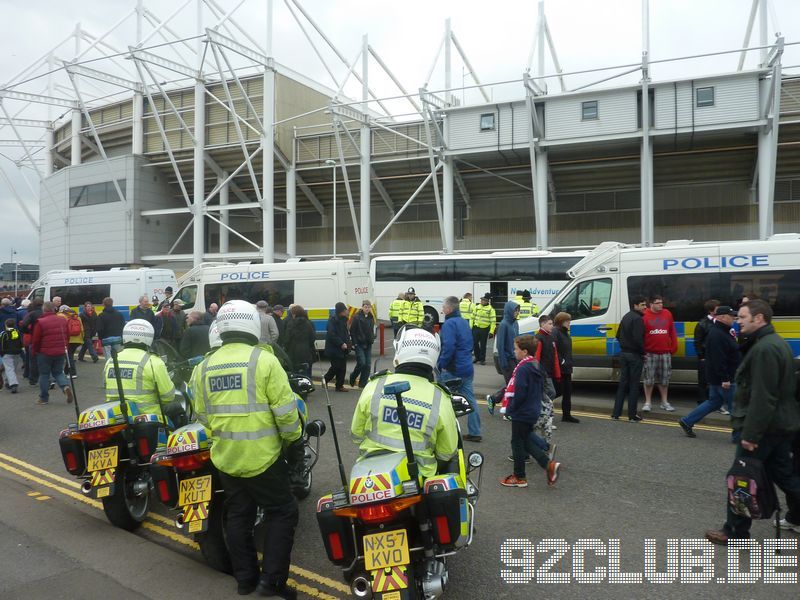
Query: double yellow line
[{"x": 156, "y": 523}]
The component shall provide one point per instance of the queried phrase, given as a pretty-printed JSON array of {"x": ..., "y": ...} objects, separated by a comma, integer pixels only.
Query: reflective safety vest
[
  {"x": 431, "y": 421},
  {"x": 524, "y": 307},
  {"x": 395, "y": 308},
  {"x": 412, "y": 312},
  {"x": 242, "y": 395},
  {"x": 485, "y": 316},
  {"x": 144, "y": 379},
  {"x": 467, "y": 309}
]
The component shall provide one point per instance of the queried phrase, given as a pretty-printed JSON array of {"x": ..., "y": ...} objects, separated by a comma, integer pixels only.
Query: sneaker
[
  {"x": 514, "y": 481},
  {"x": 551, "y": 450},
  {"x": 717, "y": 536},
  {"x": 41, "y": 402},
  {"x": 553, "y": 427},
  {"x": 552, "y": 472},
  {"x": 614, "y": 418},
  {"x": 472, "y": 438},
  {"x": 646, "y": 408},
  {"x": 506, "y": 418},
  {"x": 52, "y": 385},
  {"x": 528, "y": 459},
  {"x": 14, "y": 389},
  {"x": 68, "y": 394},
  {"x": 73, "y": 376},
  {"x": 724, "y": 411},
  {"x": 787, "y": 526},
  {"x": 94, "y": 360},
  {"x": 686, "y": 428},
  {"x": 490, "y": 403},
  {"x": 667, "y": 407},
  {"x": 635, "y": 419}
]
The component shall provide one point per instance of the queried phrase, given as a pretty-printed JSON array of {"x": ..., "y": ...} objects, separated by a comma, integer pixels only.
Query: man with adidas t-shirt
[{"x": 660, "y": 343}]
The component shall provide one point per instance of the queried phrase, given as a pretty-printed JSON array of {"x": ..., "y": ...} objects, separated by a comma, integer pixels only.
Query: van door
[{"x": 593, "y": 306}]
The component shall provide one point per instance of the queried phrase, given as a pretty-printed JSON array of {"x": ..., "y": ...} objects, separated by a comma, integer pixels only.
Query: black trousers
[
  {"x": 566, "y": 395},
  {"x": 243, "y": 495},
  {"x": 337, "y": 371},
  {"x": 522, "y": 446},
  {"x": 702, "y": 382},
  {"x": 630, "y": 374},
  {"x": 479, "y": 337}
]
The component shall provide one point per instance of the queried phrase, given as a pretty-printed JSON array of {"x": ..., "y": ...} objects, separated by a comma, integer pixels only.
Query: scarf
[{"x": 510, "y": 386}]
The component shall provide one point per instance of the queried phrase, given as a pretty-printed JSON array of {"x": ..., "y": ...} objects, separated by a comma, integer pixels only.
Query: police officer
[
  {"x": 526, "y": 309},
  {"x": 484, "y": 322},
  {"x": 395, "y": 310},
  {"x": 242, "y": 395},
  {"x": 145, "y": 380},
  {"x": 466, "y": 308},
  {"x": 432, "y": 422},
  {"x": 413, "y": 312}
]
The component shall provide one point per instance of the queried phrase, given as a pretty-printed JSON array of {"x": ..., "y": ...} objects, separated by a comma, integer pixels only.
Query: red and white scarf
[{"x": 509, "y": 393}]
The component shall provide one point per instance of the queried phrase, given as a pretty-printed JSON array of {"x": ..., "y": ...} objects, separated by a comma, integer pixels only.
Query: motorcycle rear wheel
[
  {"x": 124, "y": 508},
  {"x": 212, "y": 542}
]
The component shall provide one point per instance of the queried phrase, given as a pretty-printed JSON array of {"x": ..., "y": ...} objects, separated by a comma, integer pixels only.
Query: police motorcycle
[
  {"x": 110, "y": 446},
  {"x": 187, "y": 482},
  {"x": 390, "y": 531}
]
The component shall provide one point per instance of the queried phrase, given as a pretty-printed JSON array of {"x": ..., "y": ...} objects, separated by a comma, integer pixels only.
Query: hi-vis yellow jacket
[
  {"x": 144, "y": 380},
  {"x": 395, "y": 308},
  {"x": 431, "y": 421},
  {"x": 485, "y": 316},
  {"x": 242, "y": 394},
  {"x": 467, "y": 309}
]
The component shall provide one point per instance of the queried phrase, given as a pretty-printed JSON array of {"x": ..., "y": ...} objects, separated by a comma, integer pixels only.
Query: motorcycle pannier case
[
  {"x": 337, "y": 535},
  {"x": 448, "y": 509},
  {"x": 73, "y": 453}
]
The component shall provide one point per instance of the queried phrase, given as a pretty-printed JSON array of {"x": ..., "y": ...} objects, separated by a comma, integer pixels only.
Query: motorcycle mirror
[
  {"x": 452, "y": 385},
  {"x": 461, "y": 406},
  {"x": 315, "y": 428},
  {"x": 301, "y": 384}
]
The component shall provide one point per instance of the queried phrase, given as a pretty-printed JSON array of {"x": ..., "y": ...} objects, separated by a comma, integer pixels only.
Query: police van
[
  {"x": 124, "y": 285},
  {"x": 685, "y": 274},
  {"x": 315, "y": 285}
]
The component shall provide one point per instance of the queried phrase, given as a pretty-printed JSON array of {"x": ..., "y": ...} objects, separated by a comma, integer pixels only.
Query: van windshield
[
  {"x": 587, "y": 299},
  {"x": 188, "y": 295}
]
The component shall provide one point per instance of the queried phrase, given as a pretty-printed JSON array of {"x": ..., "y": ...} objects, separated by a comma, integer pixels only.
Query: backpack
[
  {"x": 73, "y": 326},
  {"x": 750, "y": 492}
]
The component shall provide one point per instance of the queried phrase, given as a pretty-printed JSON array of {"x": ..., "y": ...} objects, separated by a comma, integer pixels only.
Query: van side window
[
  {"x": 76, "y": 295},
  {"x": 587, "y": 299},
  {"x": 189, "y": 296},
  {"x": 38, "y": 293},
  {"x": 272, "y": 291}
]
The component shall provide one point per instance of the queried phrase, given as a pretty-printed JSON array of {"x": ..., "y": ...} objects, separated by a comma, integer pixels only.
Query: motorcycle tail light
[
  {"x": 72, "y": 462},
  {"x": 443, "y": 530},
  {"x": 188, "y": 462},
  {"x": 98, "y": 436},
  {"x": 374, "y": 514},
  {"x": 163, "y": 491},
  {"x": 144, "y": 447},
  {"x": 335, "y": 544}
]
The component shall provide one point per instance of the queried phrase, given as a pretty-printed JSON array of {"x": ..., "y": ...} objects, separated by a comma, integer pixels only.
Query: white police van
[
  {"x": 124, "y": 286},
  {"x": 685, "y": 274},
  {"x": 315, "y": 285}
]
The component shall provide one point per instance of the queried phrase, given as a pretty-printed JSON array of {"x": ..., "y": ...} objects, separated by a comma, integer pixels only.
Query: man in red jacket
[
  {"x": 660, "y": 343},
  {"x": 49, "y": 348}
]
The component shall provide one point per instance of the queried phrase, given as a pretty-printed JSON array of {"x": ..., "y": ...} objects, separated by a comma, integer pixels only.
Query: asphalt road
[{"x": 620, "y": 481}]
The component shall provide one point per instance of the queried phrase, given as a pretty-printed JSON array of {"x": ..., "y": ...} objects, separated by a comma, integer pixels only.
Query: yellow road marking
[{"x": 168, "y": 533}]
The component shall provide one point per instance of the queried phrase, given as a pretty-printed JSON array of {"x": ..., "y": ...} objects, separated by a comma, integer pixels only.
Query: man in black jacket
[
  {"x": 630, "y": 335},
  {"x": 109, "y": 327},
  {"x": 362, "y": 331},
  {"x": 89, "y": 320},
  {"x": 144, "y": 311},
  {"x": 722, "y": 358},
  {"x": 337, "y": 345},
  {"x": 700, "y": 333},
  {"x": 195, "y": 339}
]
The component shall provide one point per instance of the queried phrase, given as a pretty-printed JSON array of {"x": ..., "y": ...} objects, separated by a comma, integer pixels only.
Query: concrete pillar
[
  {"x": 199, "y": 188},
  {"x": 291, "y": 211},
  {"x": 366, "y": 148},
  {"x": 50, "y": 142},
  {"x": 268, "y": 150},
  {"x": 138, "y": 123},
  {"x": 540, "y": 199},
  {"x": 75, "y": 139},
  {"x": 224, "y": 215}
]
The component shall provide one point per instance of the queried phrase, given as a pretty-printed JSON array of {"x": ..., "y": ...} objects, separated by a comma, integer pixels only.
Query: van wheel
[{"x": 431, "y": 318}]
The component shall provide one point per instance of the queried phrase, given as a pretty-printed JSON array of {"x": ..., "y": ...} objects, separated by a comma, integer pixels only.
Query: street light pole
[
  {"x": 332, "y": 163},
  {"x": 16, "y": 270}
]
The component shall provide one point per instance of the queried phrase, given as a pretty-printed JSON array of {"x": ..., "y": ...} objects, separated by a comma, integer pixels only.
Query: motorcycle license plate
[
  {"x": 101, "y": 459},
  {"x": 194, "y": 490},
  {"x": 195, "y": 517},
  {"x": 386, "y": 549}
]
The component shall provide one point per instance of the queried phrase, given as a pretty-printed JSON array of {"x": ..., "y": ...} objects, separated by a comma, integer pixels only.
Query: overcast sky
[{"x": 496, "y": 36}]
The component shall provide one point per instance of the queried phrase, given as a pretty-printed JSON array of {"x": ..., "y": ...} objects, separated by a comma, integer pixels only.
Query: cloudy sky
[{"x": 496, "y": 36}]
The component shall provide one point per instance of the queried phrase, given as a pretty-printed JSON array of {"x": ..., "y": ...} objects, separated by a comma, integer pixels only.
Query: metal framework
[{"x": 161, "y": 60}]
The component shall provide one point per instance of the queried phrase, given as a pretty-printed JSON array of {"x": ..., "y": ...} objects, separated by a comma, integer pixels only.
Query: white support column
[
  {"x": 50, "y": 142},
  {"x": 268, "y": 149},
  {"x": 646, "y": 153},
  {"x": 75, "y": 139},
  {"x": 138, "y": 123},
  {"x": 199, "y": 190},
  {"x": 540, "y": 39},
  {"x": 291, "y": 211},
  {"x": 447, "y": 161},
  {"x": 225, "y": 215},
  {"x": 762, "y": 32},
  {"x": 366, "y": 148},
  {"x": 540, "y": 200}
]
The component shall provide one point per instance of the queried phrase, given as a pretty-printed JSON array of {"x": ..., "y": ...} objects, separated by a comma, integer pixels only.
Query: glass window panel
[
  {"x": 394, "y": 270},
  {"x": 478, "y": 269},
  {"x": 435, "y": 270},
  {"x": 555, "y": 269},
  {"x": 517, "y": 269}
]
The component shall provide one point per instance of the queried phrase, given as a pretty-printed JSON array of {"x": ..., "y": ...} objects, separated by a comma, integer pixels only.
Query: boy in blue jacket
[{"x": 525, "y": 394}]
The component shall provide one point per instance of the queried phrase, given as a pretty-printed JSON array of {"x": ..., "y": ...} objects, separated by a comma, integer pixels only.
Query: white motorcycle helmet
[
  {"x": 213, "y": 336},
  {"x": 239, "y": 316},
  {"x": 416, "y": 346},
  {"x": 138, "y": 331}
]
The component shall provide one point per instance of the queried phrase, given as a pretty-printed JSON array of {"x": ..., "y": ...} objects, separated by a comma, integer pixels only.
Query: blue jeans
[
  {"x": 50, "y": 366},
  {"x": 473, "y": 418},
  {"x": 88, "y": 346},
  {"x": 361, "y": 370},
  {"x": 717, "y": 396},
  {"x": 115, "y": 342}
]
